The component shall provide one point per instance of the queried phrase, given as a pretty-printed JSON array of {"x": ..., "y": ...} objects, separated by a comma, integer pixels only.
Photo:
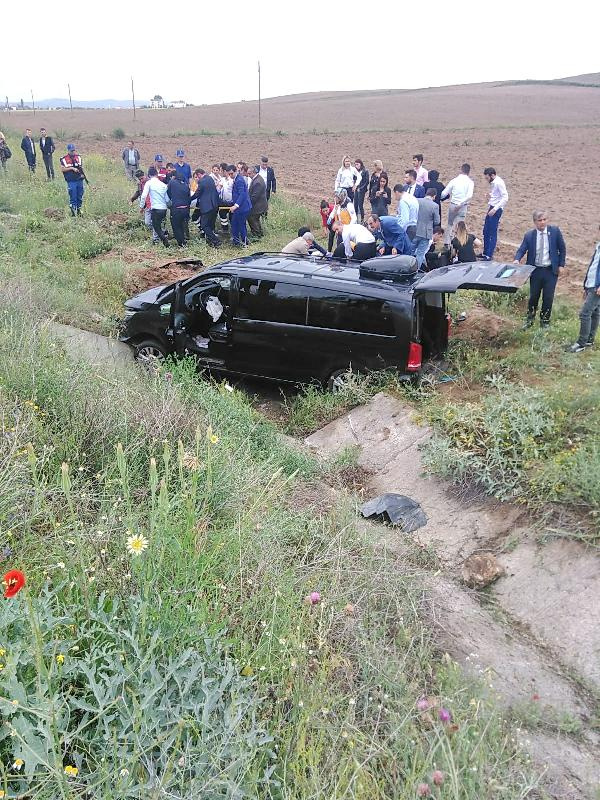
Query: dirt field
[{"x": 544, "y": 140}]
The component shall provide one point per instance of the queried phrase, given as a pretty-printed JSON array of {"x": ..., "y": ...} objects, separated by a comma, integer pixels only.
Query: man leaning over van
[{"x": 390, "y": 235}]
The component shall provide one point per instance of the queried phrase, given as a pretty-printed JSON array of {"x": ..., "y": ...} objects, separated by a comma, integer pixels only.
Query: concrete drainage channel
[{"x": 534, "y": 633}]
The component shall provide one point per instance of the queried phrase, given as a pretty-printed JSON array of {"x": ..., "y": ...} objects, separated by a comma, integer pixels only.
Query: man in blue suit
[
  {"x": 390, "y": 235},
  {"x": 207, "y": 203},
  {"x": 410, "y": 184},
  {"x": 546, "y": 251},
  {"x": 241, "y": 206}
]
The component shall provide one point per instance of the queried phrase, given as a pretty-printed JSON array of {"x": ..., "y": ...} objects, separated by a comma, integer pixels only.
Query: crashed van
[{"x": 301, "y": 319}]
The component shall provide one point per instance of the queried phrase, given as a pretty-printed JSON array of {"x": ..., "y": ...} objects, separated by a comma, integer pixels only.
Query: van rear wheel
[
  {"x": 150, "y": 354},
  {"x": 340, "y": 379}
]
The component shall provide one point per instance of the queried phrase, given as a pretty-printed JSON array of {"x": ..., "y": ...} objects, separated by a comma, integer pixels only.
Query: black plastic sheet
[{"x": 396, "y": 509}]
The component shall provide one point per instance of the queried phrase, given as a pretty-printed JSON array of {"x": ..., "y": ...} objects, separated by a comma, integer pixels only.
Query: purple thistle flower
[
  {"x": 445, "y": 715},
  {"x": 422, "y": 704}
]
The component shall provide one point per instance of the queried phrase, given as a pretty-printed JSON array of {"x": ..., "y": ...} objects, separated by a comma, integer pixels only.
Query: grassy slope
[{"x": 326, "y": 704}]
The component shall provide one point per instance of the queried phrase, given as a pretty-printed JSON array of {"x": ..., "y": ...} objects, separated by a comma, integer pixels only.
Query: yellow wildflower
[
  {"x": 212, "y": 437},
  {"x": 18, "y": 763},
  {"x": 2, "y": 652},
  {"x": 71, "y": 771},
  {"x": 247, "y": 671},
  {"x": 60, "y": 659},
  {"x": 136, "y": 544}
]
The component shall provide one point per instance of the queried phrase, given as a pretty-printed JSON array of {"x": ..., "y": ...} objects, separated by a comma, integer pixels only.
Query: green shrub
[{"x": 118, "y": 133}]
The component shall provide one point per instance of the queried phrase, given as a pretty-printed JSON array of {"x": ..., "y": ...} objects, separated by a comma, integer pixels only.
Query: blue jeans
[
  {"x": 542, "y": 282},
  {"x": 238, "y": 227},
  {"x": 490, "y": 233},
  {"x": 421, "y": 247},
  {"x": 75, "y": 189},
  {"x": 589, "y": 317}
]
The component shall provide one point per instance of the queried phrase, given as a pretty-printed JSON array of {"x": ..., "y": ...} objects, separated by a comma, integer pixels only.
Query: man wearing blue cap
[
  {"x": 183, "y": 170},
  {"x": 72, "y": 169}
]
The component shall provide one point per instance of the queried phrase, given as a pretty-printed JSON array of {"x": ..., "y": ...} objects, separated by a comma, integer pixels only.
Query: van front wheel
[{"x": 150, "y": 354}]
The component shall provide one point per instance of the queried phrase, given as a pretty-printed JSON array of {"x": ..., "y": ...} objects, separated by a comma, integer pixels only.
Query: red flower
[{"x": 13, "y": 581}]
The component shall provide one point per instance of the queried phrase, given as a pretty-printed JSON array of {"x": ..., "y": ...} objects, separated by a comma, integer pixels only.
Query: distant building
[
  {"x": 157, "y": 102},
  {"x": 178, "y": 104}
]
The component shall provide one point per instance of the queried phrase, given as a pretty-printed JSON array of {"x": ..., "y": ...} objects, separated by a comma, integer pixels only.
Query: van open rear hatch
[{"x": 487, "y": 276}]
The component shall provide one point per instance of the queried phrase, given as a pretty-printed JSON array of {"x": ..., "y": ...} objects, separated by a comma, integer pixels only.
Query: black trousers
[
  {"x": 207, "y": 223},
  {"x": 542, "y": 282},
  {"x": 158, "y": 216},
  {"x": 49, "y": 165},
  {"x": 359, "y": 204},
  {"x": 362, "y": 251},
  {"x": 411, "y": 231},
  {"x": 179, "y": 217},
  {"x": 31, "y": 164},
  {"x": 254, "y": 223}
]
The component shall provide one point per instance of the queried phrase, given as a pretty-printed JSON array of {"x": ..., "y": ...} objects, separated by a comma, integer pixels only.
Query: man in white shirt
[
  {"x": 460, "y": 192},
  {"x": 403, "y": 207},
  {"x": 589, "y": 316},
  {"x": 156, "y": 190},
  {"x": 497, "y": 202},
  {"x": 422, "y": 174},
  {"x": 358, "y": 243}
]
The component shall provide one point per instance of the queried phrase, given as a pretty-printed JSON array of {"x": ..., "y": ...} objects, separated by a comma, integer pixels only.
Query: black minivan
[{"x": 294, "y": 318}]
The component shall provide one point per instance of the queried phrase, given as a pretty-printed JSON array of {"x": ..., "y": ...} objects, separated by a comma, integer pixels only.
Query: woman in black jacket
[
  {"x": 375, "y": 175},
  {"x": 380, "y": 196},
  {"x": 361, "y": 190}
]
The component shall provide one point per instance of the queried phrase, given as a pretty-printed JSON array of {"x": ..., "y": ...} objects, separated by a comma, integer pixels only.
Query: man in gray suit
[
  {"x": 258, "y": 198},
  {"x": 428, "y": 219}
]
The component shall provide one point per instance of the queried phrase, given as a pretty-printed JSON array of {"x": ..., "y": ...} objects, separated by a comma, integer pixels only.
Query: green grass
[{"x": 196, "y": 669}]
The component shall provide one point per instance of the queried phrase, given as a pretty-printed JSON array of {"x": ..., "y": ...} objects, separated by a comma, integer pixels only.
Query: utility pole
[
  {"x": 70, "y": 101},
  {"x": 259, "y": 94},
  {"x": 32, "y": 102},
  {"x": 133, "y": 97},
  {"x": 7, "y": 106}
]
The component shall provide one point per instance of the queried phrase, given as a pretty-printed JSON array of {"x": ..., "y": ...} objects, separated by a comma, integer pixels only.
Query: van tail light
[
  {"x": 415, "y": 357},
  {"x": 449, "y": 325}
]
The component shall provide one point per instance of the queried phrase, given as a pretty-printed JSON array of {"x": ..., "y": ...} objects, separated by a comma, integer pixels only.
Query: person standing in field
[
  {"x": 343, "y": 211},
  {"x": 267, "y": 173},
  {"x": 435, "y": 183},
  {"x": 464, "y": 244},
  {"x": 258, "y": 198},
  {"x": 183, "y": 170},
  {"x": 375, "y": 175},
  {"x": 72, "y": 169},
  {"x": 142, "y": 179},
  {"x": 156, "y": 190},
  {"x": 361, "y": 189},
  {"x": 241, "y": 206},
  {"x": 178, "y": 192},
  {"x": 411, "y": 186},
  {"x": 28, "y": 147},
  {"x": 589, "y": 316},
  {"x": 422, "y": 174},
  {"x": 496, "y": 204},
  {"x": 207, "y": 203},
  {"x": 460, "y": 192},
  {"x": 5, "y": 152},
  {"x": 47, "y": 148},
  {"x": 427, "y": 220},
  {"x": 381, "y": 196},
  {"x": 347, "y": 177},
  {"x": 546, "y": 250},
  {"x": 131, "y": 160}
]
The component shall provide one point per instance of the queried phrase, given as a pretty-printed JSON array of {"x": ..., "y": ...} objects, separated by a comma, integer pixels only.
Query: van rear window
[
  {"x": 328, "y": 309},
  {"x": 271, "y": 301}
]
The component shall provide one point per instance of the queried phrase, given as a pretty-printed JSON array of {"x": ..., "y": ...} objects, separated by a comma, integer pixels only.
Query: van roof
[{"x": 326, "y": 270}]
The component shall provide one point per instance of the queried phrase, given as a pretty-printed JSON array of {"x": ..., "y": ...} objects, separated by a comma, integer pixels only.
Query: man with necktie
[
  {"x": 28, "y": 147},
  {"x": 546, "y": 251},
  {"x": 47, "y": 148}
]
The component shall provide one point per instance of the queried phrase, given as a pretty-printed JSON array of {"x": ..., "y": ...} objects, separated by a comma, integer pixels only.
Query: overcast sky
[{"x": 208, "y": 53}]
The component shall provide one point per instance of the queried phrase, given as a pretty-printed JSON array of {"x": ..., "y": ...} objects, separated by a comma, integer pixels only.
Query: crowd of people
[{"x": 238, "y": 195}]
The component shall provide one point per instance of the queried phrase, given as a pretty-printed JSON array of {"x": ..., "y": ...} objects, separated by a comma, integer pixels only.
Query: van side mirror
[{"x": 165, "y": 310}]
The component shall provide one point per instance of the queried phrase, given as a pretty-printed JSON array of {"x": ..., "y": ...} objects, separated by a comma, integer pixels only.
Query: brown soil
[
  {"x": 140, "y": 279},
  {"x": 483, "y": 325}
]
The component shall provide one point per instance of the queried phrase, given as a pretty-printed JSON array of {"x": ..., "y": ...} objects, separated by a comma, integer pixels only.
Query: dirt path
[{"x": 534, "y": 634}]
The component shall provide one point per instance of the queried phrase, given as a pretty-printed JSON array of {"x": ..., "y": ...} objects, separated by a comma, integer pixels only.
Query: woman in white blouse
[{"x": 348, "y": 177}]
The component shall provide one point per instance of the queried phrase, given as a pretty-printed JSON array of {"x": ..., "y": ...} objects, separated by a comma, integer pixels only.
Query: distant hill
[
  {"x": 63, "y": 102},
  {"x": 589, "y": 79}
]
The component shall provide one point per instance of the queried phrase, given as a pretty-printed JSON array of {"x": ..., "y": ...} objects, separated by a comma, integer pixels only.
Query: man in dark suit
[
  {"x": 258, "y": 198},
  {"x": 267, "y": 173},
  {"x": 47, "y": 148},
  {"x": 207, "y": 203},
  {"x": 28, "y": 147},
  {"x": 546, "y": 251},
  {"x": 410, "y": 184}
]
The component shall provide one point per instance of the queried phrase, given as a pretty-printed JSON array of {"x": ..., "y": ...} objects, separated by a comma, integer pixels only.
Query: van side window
[
  {"x": 329, "y": 309},
  {"x": 271, "y": 301}
]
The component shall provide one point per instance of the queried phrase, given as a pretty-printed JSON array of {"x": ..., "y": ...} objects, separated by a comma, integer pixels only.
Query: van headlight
[{"x": 129, "y": 313}]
